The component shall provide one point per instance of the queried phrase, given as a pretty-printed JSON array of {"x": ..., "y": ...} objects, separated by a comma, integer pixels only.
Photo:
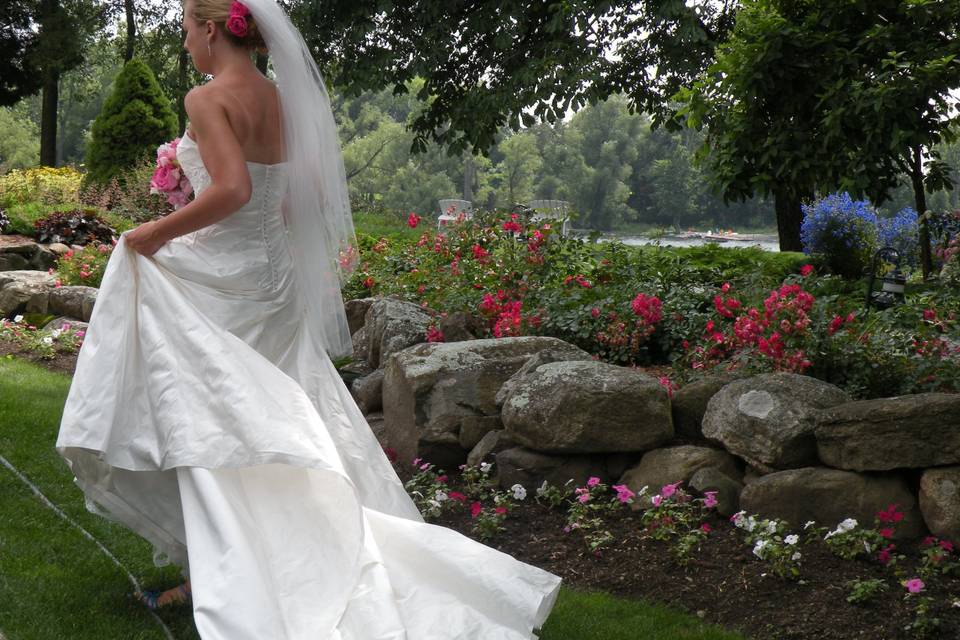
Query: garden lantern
[{"x": 893, "y": 284}]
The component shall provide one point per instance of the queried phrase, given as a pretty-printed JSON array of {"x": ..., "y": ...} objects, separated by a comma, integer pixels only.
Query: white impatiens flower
[
  {"x": 47, "y": 340},
  {"x": 809, "y": 524},
  {"x": 433, "y": 503},
  {"x": 17, "y": 318},
  {"x": 772, "y": 527},
  {"x": 542, "y": 489},
  {"x": 485, "y": 467},
  {"x": 795, "y": 556},
  {"x": 56, "y": 333},
  {"x": 759, "y": 547},
  {"x": 440, "y": 495},
  {"x": 519, "y": 493},
  {"x": 847, "y": 525},
  {"x": 791, "y": 539}
]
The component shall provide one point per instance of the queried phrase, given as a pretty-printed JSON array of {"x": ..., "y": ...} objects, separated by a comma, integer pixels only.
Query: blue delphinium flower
[
  {"x": 902, "y": 232},
  {"x": 842, "y": 230}
]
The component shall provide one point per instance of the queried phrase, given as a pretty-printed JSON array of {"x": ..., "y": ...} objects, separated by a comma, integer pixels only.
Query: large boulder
[
  {"x": 727, "y": 489},
  {"x": 24, "y": 291},
  {"x": 368, "y": 392},
  {"x": 73, "y": 301},
  {"x": 940, "y": 501},
  {"x": 356, "y": 311},
  {"x": 828, "y": 496},
  {"x": 675, "y": 464},
  {"x": 917, "y": 431},
  {"x": 689, "y": 403},
  {"x": 461, "y": 325},
  {"x": 434, "y": 391},
  {"x": 22, "y": 253},
  {"x": 587, "y": 407},
  {"x": 519, "y": 465},
  {"x": 769, "y": 420},
  {"x": 64, "y": 323},
  {"x": 565, "y": 353},
  {"x": 393, "y": 325}
]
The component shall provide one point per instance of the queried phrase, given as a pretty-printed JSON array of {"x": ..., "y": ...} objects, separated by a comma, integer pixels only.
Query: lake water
[{"x": 765, "y": 242}]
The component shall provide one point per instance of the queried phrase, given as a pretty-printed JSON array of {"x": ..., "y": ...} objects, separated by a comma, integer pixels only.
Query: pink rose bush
[{"x": 168, "y": 178}]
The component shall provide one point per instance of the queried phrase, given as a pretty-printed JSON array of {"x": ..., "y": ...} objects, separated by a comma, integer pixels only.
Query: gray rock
[
  {"x": 460, "y": 326},
  {"x": 490, "y": 444},
  {"x": 728, "y": 490},
  {"x": 22, "y": 253},
  {"x": 357, "y": 312},
  {"x": 73, "y": 301},
  {"x": 828, "y": 496},
  {"x": 940, "y": 501},
  {"x": 587, "y": 407},
  {"x": 24, "y": 291},
  {"x": 689, "y": 403},
  {"x": 519, "y": 465},
  {"x": 432, "y": 390},
  {"x": 917, "y": 431},
  {"x": 769, "y": 420},
  {"x": 368, "y": 392},
  {"x": 58, "y": 248},
  {"x": 675, "y": 464},
  {"x": 474, "y": 428},
  {"x": 379, "y": 428},
  {"x": 361, "y": 345},
  {"x": 566, "y": 352},
  {"x": 393, "y": 325}
]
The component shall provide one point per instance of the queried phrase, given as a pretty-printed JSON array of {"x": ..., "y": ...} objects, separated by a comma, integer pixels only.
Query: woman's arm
[{"x": 229, "y": 188}]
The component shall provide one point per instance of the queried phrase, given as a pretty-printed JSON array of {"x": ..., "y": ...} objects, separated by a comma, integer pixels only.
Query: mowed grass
[{"x": 56, "y": 584}]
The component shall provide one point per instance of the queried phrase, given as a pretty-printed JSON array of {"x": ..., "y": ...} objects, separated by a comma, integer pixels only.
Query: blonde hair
[{"x": 218, "y": 11}]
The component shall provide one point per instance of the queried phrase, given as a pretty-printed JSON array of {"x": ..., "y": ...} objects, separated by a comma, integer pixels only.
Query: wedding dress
[{"x": 204, "y": 417}]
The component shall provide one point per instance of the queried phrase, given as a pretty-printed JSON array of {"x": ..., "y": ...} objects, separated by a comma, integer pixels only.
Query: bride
[{"x": 206, "y": 414}]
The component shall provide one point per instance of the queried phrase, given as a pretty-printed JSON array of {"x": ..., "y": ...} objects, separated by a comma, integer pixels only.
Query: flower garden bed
[{"x": 723, "y": 581}]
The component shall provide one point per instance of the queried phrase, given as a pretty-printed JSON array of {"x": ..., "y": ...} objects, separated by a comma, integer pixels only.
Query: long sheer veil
[{"x": 323, "y": 241}]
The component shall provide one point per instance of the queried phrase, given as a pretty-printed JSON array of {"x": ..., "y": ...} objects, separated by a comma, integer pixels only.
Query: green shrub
[{"x": 136, "y": 118}]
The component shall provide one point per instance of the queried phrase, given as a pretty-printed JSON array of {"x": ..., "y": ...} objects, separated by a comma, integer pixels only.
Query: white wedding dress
[{"x": 204, "y": 417}]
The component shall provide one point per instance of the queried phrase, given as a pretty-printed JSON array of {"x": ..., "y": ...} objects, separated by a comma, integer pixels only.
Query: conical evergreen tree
[{"x": 135, "y": 119}]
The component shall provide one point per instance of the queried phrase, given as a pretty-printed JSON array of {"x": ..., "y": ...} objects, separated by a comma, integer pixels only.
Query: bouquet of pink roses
[{"x": 169, "y": 179}]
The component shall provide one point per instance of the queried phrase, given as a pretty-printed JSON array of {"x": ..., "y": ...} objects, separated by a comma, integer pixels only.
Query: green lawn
[{"x": 56, "y": 584}]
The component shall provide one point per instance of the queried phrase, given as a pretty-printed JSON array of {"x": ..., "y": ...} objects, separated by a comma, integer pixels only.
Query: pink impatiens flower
[
  {"x": 710, "y": 499},
  {"x": 624, "y": 494},
  {"x": 914, "y": 585},
  {"x": 593, "y": 481},
  {"x": 669, "y": 489},
  {"x": 806, "y": 270},
  {"x": 475, "y": 509}
]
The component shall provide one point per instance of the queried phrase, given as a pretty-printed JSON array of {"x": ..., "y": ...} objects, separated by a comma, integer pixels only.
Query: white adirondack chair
[
  {"x": 450, "y": 210},
  {"x": 557, "y": 209}
]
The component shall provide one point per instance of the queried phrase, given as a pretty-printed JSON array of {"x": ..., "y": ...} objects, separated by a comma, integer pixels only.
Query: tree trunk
[
  {"x": 469, "y": 169},
  {"x": 920, "y": 197},
  {"x": 131, "y": 30},
  {"x": 182, "y": 82},
  {"x": 48, "y": 119},
  {"x": 789, "y": 218}
]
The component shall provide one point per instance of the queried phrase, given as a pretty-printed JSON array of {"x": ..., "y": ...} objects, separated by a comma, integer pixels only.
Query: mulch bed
[
  {"x": 724, "y": 583},
  {"x": 61, "y": 363}
]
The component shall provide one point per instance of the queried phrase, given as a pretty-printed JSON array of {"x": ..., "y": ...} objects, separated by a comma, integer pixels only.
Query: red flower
[
  {"x": 806, "y": 270},
  {"x": 413, "y": 220},
  {"x": 886, "y": 532},
  {"x": 475, "y": 509},
  {"x": 369, "y": 282},
  {"x": 456, "y": 495},
  {"x": 500, "y": 510}
]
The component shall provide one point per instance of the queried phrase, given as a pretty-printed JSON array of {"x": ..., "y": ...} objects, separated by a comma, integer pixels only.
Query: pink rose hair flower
[{"x": 237, "y": 22}]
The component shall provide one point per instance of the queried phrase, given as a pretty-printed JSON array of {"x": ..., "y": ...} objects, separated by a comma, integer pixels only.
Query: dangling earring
[{"x": 209, "y": 52}]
